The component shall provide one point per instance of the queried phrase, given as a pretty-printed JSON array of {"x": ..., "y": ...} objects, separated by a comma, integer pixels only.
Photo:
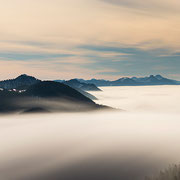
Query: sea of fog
[{"x": 117, "y": 145}]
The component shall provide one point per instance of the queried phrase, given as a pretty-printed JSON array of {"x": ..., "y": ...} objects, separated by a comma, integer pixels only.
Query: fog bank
[
  {"x": 142, "y": 98},
  {"x": 101, "y": 146}
]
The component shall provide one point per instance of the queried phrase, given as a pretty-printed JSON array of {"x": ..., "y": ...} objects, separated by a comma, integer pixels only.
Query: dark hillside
[{"x": 50, "y": 89}]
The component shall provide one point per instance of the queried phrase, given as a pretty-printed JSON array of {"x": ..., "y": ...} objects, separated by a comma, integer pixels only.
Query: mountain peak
[
  {"x": 22, "y": 81},
  {"x": 25, "y": 76}
]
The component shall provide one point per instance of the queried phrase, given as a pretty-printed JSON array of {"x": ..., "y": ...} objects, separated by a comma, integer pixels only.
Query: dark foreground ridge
[
  {"x": 23, "y": 82},
  {"x": 46, "y": 96}
]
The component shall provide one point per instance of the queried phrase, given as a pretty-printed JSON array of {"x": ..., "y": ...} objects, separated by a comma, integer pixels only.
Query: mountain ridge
[
  {"x": 75, "y": 83},
  {"x": 46, "y": 96},
  {"x": 133, "y": 81},
  {"x": 22, "y": 80}
]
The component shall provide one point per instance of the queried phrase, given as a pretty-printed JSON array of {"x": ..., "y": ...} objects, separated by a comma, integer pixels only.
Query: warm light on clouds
[
  {"x": 160, "y": 6},
  {"x": 63, "y": 26}
]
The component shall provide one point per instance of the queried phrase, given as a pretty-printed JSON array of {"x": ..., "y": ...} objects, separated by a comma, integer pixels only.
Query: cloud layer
[{"x": 45, "y": 30}]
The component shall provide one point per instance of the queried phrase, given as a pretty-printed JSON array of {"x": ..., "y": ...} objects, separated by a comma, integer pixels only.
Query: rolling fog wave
[{"x": 101, "y": 146}]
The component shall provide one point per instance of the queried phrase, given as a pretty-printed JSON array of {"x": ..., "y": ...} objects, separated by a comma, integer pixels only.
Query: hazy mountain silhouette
[
  {"x": 80, "y": 85},
  {"x": 134, "y": 81},
  {"x": 158, "y": 79}
]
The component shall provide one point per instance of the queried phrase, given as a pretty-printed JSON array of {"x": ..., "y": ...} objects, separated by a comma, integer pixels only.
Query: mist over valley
[{"x": 129, "y": 144}]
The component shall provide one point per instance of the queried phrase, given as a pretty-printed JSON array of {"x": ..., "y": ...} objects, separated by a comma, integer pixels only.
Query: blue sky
[{"x": 108, "y": 39}]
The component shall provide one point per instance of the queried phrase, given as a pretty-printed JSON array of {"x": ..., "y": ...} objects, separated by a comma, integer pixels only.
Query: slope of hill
[
  {"x": 46, "y": 96},
  {"x": 50, "y": 89},
  {"x": 87, "y": 94},
  {"x": 74, "y": 83},
  {"x": 23, "y": 82},
  {"x": 81, "y": 87}
]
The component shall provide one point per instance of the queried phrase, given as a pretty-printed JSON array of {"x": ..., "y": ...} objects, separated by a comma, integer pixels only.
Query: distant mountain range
[
  {"x": 23, "y": 81},
  {"x": 134, "y": 81}
]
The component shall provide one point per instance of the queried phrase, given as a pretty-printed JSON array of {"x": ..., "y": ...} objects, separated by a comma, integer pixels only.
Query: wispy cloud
[
  {"x": 161, "y": 6},
  {"x": 136, "y": 59},
  {"x": 30, "y": 56},
  {"x": 90, "y": 37}
]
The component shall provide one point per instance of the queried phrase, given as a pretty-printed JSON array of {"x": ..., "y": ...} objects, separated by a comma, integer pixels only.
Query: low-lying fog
[{"x": 127, "y": 145}]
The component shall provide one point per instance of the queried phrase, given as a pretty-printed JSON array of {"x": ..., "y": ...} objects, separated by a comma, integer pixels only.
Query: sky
[{"x": 64, "y": 39}]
